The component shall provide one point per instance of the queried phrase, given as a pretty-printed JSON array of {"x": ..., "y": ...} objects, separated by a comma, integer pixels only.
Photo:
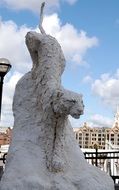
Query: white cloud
[
  {"x": 107, "y": 88},
  {"x": 12, "y": 46},
  {"x": 74, "y": 44},
  {"x": 87, "y": 79},
  {"x": 8, "y": 92},
  {"x": 97, "y": 120},
  {"x": 70, "y": 1},
  {"x": 33, "y": 5}
]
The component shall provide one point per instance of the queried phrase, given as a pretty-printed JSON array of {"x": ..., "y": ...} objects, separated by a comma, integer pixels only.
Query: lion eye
[{"x": 74, "y": 101}]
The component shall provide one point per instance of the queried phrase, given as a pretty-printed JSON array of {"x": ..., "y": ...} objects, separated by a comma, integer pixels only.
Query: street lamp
[{"x": 4, "y": 69}]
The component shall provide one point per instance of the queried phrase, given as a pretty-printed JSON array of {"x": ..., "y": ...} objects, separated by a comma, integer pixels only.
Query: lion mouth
[{"x": 77, "y": 115}]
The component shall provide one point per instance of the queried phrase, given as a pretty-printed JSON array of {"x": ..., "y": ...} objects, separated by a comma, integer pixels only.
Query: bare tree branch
[{"x": 41, "y": 18}]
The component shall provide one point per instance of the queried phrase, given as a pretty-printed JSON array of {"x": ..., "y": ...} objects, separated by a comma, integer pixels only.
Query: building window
[
  {"x": 107, "y": 136},
  {"x": 112, "y": 135},
  {"x": 94, "y": 139},
  {"x": 86, "y": 138},
  {"x": 112, "y": 139},
  {"x": 93, "y": 134}
]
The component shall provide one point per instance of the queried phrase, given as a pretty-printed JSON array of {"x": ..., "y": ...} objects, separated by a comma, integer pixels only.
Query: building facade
[
  {"x": 88, "y": 137},
  {"x": 5, "y": 135}
]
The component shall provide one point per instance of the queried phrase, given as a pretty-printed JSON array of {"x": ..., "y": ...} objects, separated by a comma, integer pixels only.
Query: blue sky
[{"x": 88, "y": 33}]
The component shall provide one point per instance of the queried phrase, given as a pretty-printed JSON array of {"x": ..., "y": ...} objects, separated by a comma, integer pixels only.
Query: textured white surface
[{"x": 43, "y": 154}]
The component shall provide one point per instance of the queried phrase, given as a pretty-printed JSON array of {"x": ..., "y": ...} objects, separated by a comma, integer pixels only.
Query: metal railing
[
  {"x": 106, "y": 161},
  {"x": 2, "y": 163},
  {"x": 3, "y": 158}
]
